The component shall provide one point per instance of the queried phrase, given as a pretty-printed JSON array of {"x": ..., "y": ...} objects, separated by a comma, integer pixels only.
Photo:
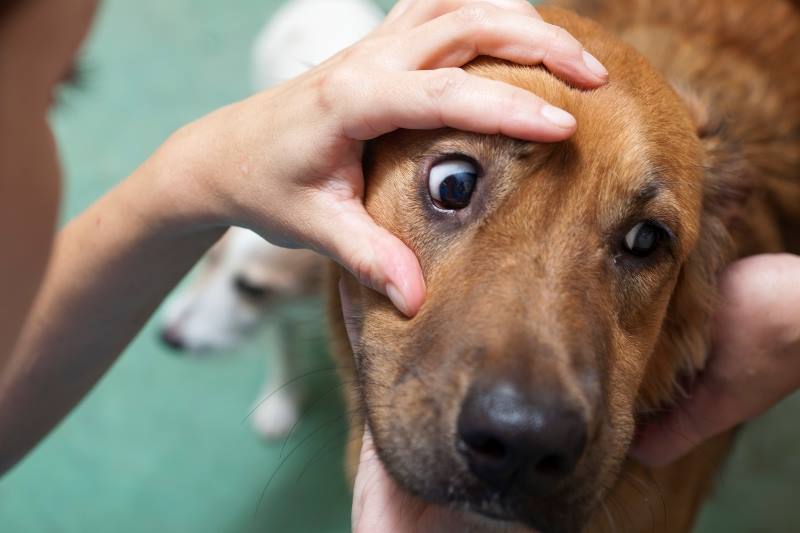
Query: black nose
[
  {"x": 172, "y": 339},
  {"x": 514, "y": 436}
]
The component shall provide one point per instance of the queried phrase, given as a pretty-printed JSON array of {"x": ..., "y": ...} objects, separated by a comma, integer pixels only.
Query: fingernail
[
  {"x": 594, "y": 65},
  {"x": 558, "y": 117},
  {"x": 397, "y": 298}
]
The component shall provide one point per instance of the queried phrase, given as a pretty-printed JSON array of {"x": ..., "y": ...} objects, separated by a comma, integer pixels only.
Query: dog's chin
[{"x": 493, "y": 513}]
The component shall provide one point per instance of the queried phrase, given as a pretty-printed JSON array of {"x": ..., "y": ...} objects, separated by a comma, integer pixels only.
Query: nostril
[
  {"x": 490, "y": 447},
  {"x": 485, "y": 446},
  {"x": 552, "y": 465}
]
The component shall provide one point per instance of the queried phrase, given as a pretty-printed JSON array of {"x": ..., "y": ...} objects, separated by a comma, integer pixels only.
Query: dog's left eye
[
  {"x": 643, "y": 239},
  {"x": 451, "y": 183}
]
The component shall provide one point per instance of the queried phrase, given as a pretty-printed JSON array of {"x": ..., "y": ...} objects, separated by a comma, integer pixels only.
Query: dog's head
[
  {"x": 241, "y": 278},
  {"x": 568, "y": 288}
]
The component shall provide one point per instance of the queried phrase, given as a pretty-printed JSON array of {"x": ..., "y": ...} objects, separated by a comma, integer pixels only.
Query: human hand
[
  {"x": 380, "y": 505},
  {"x": 287, "y": 162},
  {"x": 755, "y": 359}
]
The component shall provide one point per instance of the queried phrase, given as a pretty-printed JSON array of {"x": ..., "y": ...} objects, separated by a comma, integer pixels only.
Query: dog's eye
[
  {"x": 248, "y": 289},
  {"x": 643, "y": 239},
  {"x": 451, "y": 183}
]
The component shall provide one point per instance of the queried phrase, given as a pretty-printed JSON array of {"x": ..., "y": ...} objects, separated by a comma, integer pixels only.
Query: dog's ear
[
  {"x": 682, "y": 349},
  {"x": 727, "y": 180}
]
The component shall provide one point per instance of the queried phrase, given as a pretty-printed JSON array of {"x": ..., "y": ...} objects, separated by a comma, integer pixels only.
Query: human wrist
[
  {"x": 181, "y": 180},
  {"x": 170, "y": 191}
]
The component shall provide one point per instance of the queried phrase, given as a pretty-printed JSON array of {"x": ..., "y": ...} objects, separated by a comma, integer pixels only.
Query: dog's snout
[
  {"x": 172, "y": 339},
  {"x": 511, "y": 436}
]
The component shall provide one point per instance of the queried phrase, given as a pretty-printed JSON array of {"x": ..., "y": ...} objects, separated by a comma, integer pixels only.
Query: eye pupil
[
  {"x": 643, "y": 239},
  {"x": 646, "y": 238},
  {"x": 456, "y": 190}
]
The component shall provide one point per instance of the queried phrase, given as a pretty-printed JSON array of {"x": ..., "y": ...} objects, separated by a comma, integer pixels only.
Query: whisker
[
  {"x": 611, "y": 523},
  {"x": 308, "y": 409},
  {"x": 642, "y": 488},
  {"x": 660, "y": 494},
  {"x": 290, "y": 382}
]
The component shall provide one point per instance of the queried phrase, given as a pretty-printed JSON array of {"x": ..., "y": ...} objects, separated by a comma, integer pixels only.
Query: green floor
[{"x": 160, "y": 445}]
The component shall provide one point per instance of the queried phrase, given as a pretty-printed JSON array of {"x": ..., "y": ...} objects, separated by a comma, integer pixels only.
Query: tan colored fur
[{"x": 724, "y": 145}]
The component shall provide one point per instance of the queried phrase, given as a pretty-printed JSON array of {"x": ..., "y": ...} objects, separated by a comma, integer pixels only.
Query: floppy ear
[
  {"x": 683, "y": 346},
  {"x": 728, "y": 178}
]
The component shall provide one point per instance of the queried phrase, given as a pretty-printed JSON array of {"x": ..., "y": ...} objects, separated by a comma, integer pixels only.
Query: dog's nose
[
  {"x": 514, "y": 436},
  {"x": 172, "y": 339}
]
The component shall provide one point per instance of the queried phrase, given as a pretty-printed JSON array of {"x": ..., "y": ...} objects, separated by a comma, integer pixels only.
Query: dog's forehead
[{"x": 632, "y": 139}]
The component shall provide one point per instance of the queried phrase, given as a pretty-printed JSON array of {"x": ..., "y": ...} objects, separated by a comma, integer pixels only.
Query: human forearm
[{"x": 110, "y": 269}]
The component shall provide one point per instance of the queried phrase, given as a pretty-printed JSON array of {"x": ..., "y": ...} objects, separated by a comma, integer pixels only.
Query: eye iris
[
  {"x": 643, "y": 238},
  {"x": 456, "y": 190},
  {"x": 451, "y": 183}
]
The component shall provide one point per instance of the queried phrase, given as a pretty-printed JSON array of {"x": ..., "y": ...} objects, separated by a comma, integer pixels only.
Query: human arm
[
  {"x": 285, "y": 163},
  {"x": 109, "y": 270}
]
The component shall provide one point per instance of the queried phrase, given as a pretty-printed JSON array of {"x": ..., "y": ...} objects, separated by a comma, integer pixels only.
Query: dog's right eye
[
  {"x": 643, "y": 239},
  {"x": 451, "y": 183},
  {"x": 250, "y": 290}
]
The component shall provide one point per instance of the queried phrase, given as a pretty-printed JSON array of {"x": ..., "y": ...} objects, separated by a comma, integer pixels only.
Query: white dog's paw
[{"x": 275, "y": 415}]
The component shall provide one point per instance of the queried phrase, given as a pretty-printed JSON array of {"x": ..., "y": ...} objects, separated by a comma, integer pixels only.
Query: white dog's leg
[{"x": 279, "y": 403}]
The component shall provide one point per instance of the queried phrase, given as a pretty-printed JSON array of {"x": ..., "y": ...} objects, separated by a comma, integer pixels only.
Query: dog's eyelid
[
  {"x": 650, "y": 190},
  {"x": 248, "y": 288},
  {"x": 522, "y": 150}
]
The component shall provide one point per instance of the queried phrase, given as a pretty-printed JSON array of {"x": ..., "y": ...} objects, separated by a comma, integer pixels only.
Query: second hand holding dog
[{"x": 754, "y": 363}]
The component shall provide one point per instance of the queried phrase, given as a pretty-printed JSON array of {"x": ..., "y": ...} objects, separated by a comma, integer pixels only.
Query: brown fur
[{"x": 700, "y": 128}]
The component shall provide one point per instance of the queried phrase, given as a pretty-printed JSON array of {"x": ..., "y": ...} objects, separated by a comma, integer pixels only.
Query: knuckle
[
  {"x": 333, "y": 84},
  {"x": 515, "y": 100},
  {"x": 475, "y": 16},
  {"x": 444, "y": 82},
  {"x": 562, "y": 41}
]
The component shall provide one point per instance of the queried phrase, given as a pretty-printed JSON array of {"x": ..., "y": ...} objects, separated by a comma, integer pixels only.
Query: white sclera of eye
[
  {"x": 440, "y": 171},
  {"x": 630, "y": 238}
]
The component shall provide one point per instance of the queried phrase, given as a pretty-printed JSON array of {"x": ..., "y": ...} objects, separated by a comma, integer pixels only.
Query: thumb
[
  {"x": 378, "y": 503},
  {"x": 377, "y": 258},
  {"x": 671, "y": 436}
]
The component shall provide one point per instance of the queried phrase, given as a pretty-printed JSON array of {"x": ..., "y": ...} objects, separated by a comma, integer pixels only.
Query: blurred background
[{"x": 162, "y": 443}]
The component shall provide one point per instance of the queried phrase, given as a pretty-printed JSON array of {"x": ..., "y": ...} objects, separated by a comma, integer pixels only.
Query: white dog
[
  {"x": 240, "y": 284},
  {"x": 304, "y": 33},
  {"x": 243, "y": 278}
]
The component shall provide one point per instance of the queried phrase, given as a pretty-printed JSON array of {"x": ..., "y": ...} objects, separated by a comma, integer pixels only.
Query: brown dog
[{"x": 570, "y": 285}]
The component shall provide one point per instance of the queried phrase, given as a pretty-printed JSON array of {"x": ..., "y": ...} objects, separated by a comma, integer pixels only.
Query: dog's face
[
  {"x": 239, "y": 280},
  {"x": 551, "y": 271}
]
